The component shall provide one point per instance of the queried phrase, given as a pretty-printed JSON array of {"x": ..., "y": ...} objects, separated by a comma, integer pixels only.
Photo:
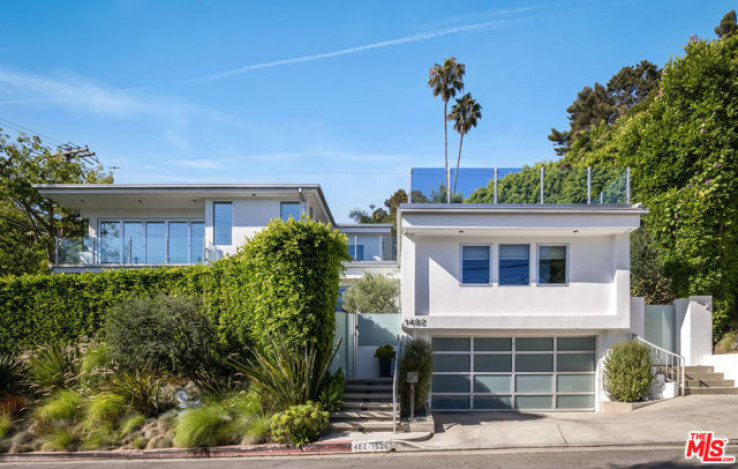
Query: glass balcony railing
[
  {"x": 527, "y": 185},
  {"x": 372, "y": 247},
  {"x": 88, "y": 251}
]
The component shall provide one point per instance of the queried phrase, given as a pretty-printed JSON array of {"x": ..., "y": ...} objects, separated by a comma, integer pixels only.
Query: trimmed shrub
[
  {"x": 372, "y": 293},
  {"x": 628, "y": 372},
  {"x": 416, "y": 356},
  {"x": 291, "y": 271},
  {"x": 299, "y": 424},
  {"x": 167, "y": 333},
  {"x": 284, "y": 280}
]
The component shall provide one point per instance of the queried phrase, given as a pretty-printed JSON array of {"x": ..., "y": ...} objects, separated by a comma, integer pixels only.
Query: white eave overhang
[
  {"x": 513, "y": 220},
  {"x": 180, "y": 196}
]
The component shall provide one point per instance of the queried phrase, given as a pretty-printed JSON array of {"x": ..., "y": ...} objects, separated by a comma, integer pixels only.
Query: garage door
[{"x": 513, "y": 373}]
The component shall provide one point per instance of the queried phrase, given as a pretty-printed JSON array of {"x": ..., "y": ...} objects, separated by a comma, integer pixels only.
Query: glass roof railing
[{"x": 527, "y": 185}]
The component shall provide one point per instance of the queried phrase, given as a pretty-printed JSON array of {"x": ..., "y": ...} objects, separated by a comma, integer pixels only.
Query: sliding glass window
[{"x": 151, "y": 242}]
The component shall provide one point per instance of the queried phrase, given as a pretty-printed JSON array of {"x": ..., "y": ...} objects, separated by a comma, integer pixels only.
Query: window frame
[
  {"x": 223, "y": 202},
  {"x": 499, "y": 258},
  {"x": 567, "y": 265},
  {"x": 490, "y": 281}
]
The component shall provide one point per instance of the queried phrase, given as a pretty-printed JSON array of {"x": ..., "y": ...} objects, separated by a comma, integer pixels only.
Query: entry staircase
[
  {"x": 704, "y": 380},
  {"x": 367, "y": 406}
]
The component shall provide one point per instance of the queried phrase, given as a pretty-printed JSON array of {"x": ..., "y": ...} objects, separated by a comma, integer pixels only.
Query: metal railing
[
  {"x": 670, "y": 364},
  {"x": 395, "y": 385},
  {"x": 527, "y": 185}
]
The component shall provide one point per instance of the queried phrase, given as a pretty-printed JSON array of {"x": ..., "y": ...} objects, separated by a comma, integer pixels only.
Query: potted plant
[{"x": 385, "y": 354}]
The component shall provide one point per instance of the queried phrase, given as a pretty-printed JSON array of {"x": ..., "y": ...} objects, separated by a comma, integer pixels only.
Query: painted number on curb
[{"x": 370, "y": 446}]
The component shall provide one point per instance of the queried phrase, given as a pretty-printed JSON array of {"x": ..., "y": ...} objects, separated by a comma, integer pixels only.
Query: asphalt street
[{"x": 657, "y": 457}]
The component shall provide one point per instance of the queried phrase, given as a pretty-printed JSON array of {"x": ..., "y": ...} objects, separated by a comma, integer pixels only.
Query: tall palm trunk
[
  {"x": 458, "y": 160},
  {"x": 445, "y": 151}
]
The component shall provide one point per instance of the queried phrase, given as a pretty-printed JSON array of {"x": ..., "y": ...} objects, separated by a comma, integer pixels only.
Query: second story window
[
  {"x": 552, "y": 265},
  {"x": 290, "y": 209},
  {"x": 356, "y": 251},
  {"x": 222, "y": 223},
  {"x": 475, "y": 261},
  {"x": 514, "y": 262}
]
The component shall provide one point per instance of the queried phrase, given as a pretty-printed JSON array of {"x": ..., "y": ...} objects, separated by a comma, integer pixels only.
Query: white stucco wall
[
  {"x": 598, "y": 271},
  {"x": 694, "y": 328},
  {"x": 727, "y": 364}
]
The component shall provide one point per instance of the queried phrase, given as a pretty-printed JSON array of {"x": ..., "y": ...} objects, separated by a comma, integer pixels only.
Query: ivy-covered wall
[{"x": 283, "y": 281}]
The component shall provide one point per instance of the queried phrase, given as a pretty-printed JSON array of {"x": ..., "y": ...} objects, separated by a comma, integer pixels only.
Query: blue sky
[{"x": 326, "y": 92}]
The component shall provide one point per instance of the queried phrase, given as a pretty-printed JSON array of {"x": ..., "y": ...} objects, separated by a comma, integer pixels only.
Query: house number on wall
[{"x": 416, "y": 322}]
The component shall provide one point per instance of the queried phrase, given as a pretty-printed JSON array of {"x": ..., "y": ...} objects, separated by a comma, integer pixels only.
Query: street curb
[{"x": 336, "y": 447}]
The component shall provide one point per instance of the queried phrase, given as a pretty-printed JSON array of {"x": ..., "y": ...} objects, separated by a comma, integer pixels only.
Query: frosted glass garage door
[{"x": 513, "y": 373}]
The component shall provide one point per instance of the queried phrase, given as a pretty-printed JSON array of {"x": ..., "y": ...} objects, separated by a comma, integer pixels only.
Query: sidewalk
[{"x": 663, "y": 423}]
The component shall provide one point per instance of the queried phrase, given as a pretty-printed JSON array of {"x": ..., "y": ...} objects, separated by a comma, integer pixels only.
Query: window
[
  {"x": 197, "y": 242},
  {"x": 514, "y": 262},
  {"x": 222, "y": 223},
  {"x": 356, "y": 251},
  {"x": 289, "y": 210},
  {"x": 552, "y": 265},
  {"x": 475, "y": 264}
]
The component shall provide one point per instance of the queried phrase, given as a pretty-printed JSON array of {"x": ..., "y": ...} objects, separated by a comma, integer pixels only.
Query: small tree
[
  {"x": 372, "y": 293},
  {"x": 418, "y": 357},
  {"x": 627, "y": 372}
]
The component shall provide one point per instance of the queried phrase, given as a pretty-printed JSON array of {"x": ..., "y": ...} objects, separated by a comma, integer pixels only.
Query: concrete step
[
  {"x": 699, "y": 369},
  {"x": 694, "y": 391},
  {"x": 353, "y": 388},
  {"x": 710, "y": 383},
  {"x": 362, "y": 415},
  {"x": 361, "y": 405},
  {"x": 364, "y": 396},
  {"x": 354, "y": 426},
  {"x": 703, "y": 376}
]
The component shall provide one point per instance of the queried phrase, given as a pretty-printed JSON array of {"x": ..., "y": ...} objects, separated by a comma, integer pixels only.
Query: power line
[{"x": 68, "y": 150}]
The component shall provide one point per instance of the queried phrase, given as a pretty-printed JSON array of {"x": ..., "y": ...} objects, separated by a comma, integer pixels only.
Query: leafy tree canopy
[
  {"x": 605, "y": 104},
  {"x": 388, "y": 214},
  {"x": 29, "y": 223},
  {"x": 727, "y": 26}
]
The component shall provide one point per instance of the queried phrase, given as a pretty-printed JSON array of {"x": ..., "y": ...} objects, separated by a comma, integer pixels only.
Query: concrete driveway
[{"x": 664, "y": 423}]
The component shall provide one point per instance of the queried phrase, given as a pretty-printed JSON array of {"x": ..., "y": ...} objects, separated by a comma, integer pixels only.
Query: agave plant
[
  {"x": 285, "y": 375},
  {"x": 141, "y": 391},
  {"x": 52, "y": 368}
]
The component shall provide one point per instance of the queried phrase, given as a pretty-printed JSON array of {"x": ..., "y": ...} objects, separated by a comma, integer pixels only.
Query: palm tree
[
  {"x": 465, "y": 114},
  {"x": 445, "y": 81}
]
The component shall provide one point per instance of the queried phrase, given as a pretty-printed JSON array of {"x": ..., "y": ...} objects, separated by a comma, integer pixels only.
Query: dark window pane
[
  {"x": 575, "y": 362},
  {"x": 502, "y": 344},
  {"x": 451, "y": 363},
  {"x": 552, "y": 265},
  {"x": 222, "y": 223},
  {"x": 514, "y": 264},
  {"x": 492, "y": 363},
  {"x": 356, "y": 251},
  {"x": 575, "y": 402},
  {"x": 451, "y": 402},
  {"x": 534, "y": 344},
  {"x": 575, "y": 344},
  {"x": 451, "y": 344},
  {"x": 451, "y": 383},
  {"x": 475, "y": 264},
  {"x": 533, "y": 363}
]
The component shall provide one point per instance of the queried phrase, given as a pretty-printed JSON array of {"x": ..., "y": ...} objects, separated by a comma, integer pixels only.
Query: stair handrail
[
  {"x": 395, "y": 384},
  {"x": 671, "y": 358}
]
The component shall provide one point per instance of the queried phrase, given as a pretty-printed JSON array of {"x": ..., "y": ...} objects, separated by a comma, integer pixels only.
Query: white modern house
[{"x": 520, "y": 301}]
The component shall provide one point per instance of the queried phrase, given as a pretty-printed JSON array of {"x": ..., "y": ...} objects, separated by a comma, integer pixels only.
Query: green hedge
[{"x": 285, "y": 280}]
